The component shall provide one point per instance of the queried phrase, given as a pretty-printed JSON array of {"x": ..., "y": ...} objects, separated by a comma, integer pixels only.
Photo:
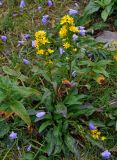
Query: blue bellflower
[
  {"x": 92, "y": 126},
  {"x": 13, "y": 135},
  {"x": 39, "y": 8},
  {"x": 72, "y": 12},
  {"x": 33, "y": 43},
  {"x": 50, "y": 3},
  {"x": 61, "y": 51},
  {"x": 44, "y": 19},
  {"x": 21, "y": 42},
  {"x": 106, "y": 154},
  {"x": 29, "y": 148},
  {"x": 40, "y": 114},
  {"x": 25, "y": 61},
  {"x": 75, "y": 37},
  {"x": 4, "y": 38},
  {"x": 22, "y": 4},
  {"x": 27, "y": 36},
  {"x": 82, "y": 30}
]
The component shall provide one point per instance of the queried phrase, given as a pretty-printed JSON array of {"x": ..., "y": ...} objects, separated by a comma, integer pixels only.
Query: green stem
[{"x": 9, "y": 151}]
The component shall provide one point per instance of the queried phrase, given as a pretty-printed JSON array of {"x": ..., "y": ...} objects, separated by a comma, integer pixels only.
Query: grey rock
[{"x": 107, "y": 37}]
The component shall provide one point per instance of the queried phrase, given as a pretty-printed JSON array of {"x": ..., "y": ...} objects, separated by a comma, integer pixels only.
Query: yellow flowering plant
[{"x": 68, "y": 63}]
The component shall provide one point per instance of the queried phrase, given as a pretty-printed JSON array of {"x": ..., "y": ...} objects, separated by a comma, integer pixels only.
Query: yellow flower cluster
[
  {"x": 67, "y": 27},
  {"x": 74, "y": 29},
  {"x": 63, "y": 31},
  {"x": 67, "y": 20},
  {"x": 115, "y": 56},
  {"x": 97, "y": 135},
  {"x": 41, "y": 41},
  {"x": 41, "y": 38},
  {"x": 66, "y": 45}
]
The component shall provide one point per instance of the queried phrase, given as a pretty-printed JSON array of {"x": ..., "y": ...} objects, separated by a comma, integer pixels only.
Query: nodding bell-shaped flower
[
  {"x": 22, "y": 4},
  {"x": 50, "y": 3},
  {"x": 72, "y": 12},
  {"x": 106, "y": 154}
]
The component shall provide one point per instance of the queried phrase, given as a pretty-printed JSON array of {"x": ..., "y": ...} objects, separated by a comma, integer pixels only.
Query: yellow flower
[
  {"x": 103, "y": 138},
  {"x": 67, "y": 20},
  {"x": 114, "y": 42},
  {"x": 74, "y": 49},
  {"x": 99, "y": 133},
  {"x": 115, "y": 56},
  {"x": 50, "y": 50},
  {"x": 40, "y": 34},
  {"x": 49, "y": 62},
  {"x": 66, "y": 45},
  {"x": 95, "y": 136},
  {"x": 63, "y": 32},
  {"x": 100, "y": 79},
  {"x": 40, "y": 52},
  {"x": 74, "y": 29},
  {"x": 41, "y": 38}
]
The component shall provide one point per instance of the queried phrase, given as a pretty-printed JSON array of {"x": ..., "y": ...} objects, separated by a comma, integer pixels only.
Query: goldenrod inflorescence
[
  {"x": 115, "y": 56},
  {"x": 42, "y": 43},
  {"x": 67, "y": 30}
]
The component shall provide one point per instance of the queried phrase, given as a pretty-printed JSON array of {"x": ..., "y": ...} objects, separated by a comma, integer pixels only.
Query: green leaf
[
  {"x": 50, "y": 142},
  {"x": 72, "y": 146},
  {"x": 27, "y": 91},
  {"x": 9, "y": 71},
  {"x": 58, "y": 145},
  {"x": 91, "y": 7},
  {"x": 27, "y": 156},
  {"x": 2, "y": 96},
  {"x": 43, "y": 158},
  {"x": 95, "y": 143},
  {"x": 20, "y": 110},
  {"x": 101, "y": 71},
  {"x": 61, "y": 109},
  {"x": 105, "y": 13},
  {"x": 4, "y": 129},
  {"x": 44, "y": 126},
  {"x": 72, "y": 100},
  {"x": 107, "y": 2}
]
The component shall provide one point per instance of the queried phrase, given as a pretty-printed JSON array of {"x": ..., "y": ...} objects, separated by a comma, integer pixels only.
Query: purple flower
[
  {"x": 50, "y": 3},
  {"x": 72, "y": 12},
  {"x": 22, "y": 4},
  {"x": 81, "y": 27},
  {"x": 29, "y": 148},
  {"x": 13, "y": 135},
  {"x": 0, "y": 3},
  {"x": 4, "y": 38},
  {"x": 27, "y": 36},
  {"x": 44, "y": 19},
  {"x": 61, "y": 51},
  {"x": 82, "y": 30},
  {"x": 106, "y": 154},
  {"x": 25, "y": 61},
  {"x": 33, "y": 43},
  {"x": 40, "y": 114},
  {"x": 75, "y": 37},
  {"x": 92, "y": 126},
  {"x": 21, "y": 42},
  {"x": 39, "y": 8}
]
